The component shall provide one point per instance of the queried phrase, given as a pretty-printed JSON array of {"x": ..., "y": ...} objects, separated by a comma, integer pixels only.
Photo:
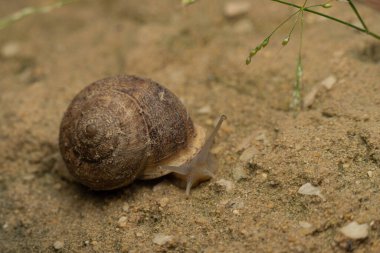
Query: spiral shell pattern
[{"x": 117, "y": 126}]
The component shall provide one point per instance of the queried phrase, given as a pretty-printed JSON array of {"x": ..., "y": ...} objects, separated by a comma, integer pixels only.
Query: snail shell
[{"x": 124, "y": 127}]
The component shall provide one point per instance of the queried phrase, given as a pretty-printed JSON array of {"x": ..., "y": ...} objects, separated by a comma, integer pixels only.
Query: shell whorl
[
  {"x": 96, "y": 135},
  {"x": 117, "y": 126}
]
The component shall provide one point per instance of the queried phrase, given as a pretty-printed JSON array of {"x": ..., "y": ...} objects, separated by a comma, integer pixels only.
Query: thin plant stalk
[
  {"x": 296, "y": 103},
  {"x": 265, "y": 42},
  {"x": 357, "y": 14},
  {"x": 307, "y": 9},
  {"x": 297, "y": 92},
  {"x": 27, "y": 11}
]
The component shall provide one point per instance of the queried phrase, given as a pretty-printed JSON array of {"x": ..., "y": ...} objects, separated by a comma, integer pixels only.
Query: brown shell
[{"x": 116, "y": 127}]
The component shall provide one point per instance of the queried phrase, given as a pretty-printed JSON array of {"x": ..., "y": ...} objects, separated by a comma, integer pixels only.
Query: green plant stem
[
  {"x": 282, "y": 23},
  {"x": 265, "y": 42},
  {"x": 295, "y": 23},
  {"x": 330, "y": 17},
  {"x": 8, "y": 20},
  {"x": 357, "y": 14},
  {"x": 297, "y": 93}
]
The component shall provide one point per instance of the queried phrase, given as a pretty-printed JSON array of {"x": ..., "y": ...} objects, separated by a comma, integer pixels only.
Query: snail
[{"x": 123, "y": 128}]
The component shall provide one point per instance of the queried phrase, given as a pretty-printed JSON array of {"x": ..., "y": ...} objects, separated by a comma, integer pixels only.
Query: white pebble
[
  {"x": 226, "y": 184},
  {"x": 28, "y": 177},
  {"x": 5, "y": 226},
  {"x": 58, "y": 245},
  {"x": 204, "y": 110},
  {"x": 126, "y": 207},
  {"x": 309, "y": 189},
  {"x": 10, "y": 49},
  {"x": 355, "y": 231},
  {"x": 162, "y": 239},
  {"x": 329, "y": 82},
  {"x": 163, "y": 202},
  {"x": 122, "y": 222},
  {"x": 236, "y": 8},
  {"x": 310, "y": 97},
  {"x": 305, "y": 224},
  {"x": 370, "y": 173}
]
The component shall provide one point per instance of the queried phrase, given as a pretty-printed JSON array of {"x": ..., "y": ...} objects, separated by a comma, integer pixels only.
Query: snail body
[{"x": 121, "y": 128}]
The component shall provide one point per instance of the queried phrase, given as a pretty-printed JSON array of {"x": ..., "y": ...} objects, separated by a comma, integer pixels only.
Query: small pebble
[
  {"x": 28, "y": 177},
  {"x": 126, "y": 207},
  {"x": 329, "y": 82},
  {"x": 10, "y": 49},
  {"x": 122, "y": 222},
  {"x": 201, "y": 221},
  {"x": 309, "y": 189},
  {"x": 236, "y": 212},
  {"x": 244, "y": 232},
  {"x": 298, "y": 146},
  {"x": 355, "y": 231},
  {"x": 58, "y": 245},
  {"x": 305, "y": 224},
  {"x": 248, "y": 154},
  {"x": 310, "y": 97},
  {"x": 370, "y": 173},
  {"x": 239, "y": 173},
  {"x": 270, "y": 205},
  {"x": 161, "y": 96},
  {"x": 226, "y": 184},
  {"x": 162, "y": 239},
  {"x": 96, "y": 246},
  {"x": 204, "y": 110},
  {"x": 139, "y": 234},
  {"x": 235, "y": 9},
  {"x": 163, "y": 201}
]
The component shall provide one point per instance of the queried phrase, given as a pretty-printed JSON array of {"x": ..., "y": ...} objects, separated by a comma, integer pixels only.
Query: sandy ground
[{"x": 265, "y": 152}]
